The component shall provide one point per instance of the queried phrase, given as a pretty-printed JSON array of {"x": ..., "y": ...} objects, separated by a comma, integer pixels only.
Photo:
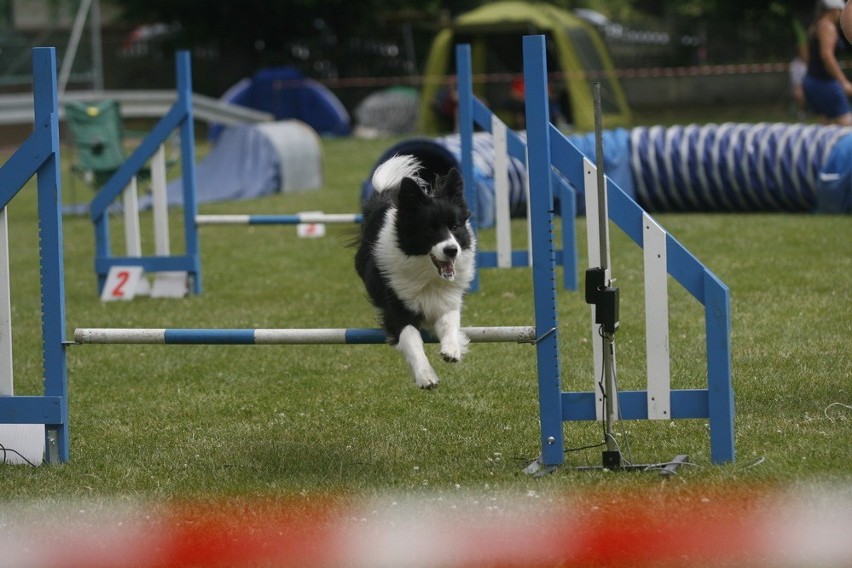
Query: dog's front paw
[
  {"x": 453, "y": 347},
  {"x": 451, "y": 354},
  {"x": 426, "y": 378}
]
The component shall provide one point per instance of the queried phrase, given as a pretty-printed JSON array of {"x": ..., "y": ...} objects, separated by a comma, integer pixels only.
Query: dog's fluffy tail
[{"x": 391, "y": 173}]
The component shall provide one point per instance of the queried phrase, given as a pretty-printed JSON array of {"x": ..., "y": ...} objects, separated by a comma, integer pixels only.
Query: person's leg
[{"x": 828, "y": 100}]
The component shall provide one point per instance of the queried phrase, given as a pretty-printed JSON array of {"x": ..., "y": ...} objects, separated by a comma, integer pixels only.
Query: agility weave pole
[
  {"x": 39, "y": 156},
  {"x": 507, "y": 144},
  {"x": 663, "y": 253}
]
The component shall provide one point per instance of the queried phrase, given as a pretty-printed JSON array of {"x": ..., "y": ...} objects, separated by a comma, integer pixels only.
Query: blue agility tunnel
[
  {"x": 743, "y": 167},
  {"x": 714, "y": 167},
  {"x": 439, "y": 155}
]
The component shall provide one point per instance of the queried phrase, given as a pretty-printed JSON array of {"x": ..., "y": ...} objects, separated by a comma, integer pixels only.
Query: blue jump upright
[
  {"x": 39, "y": 156},
  {"x": 474, "y": 113},
  {"x": 179, "y": 118},
  {"x": 548, "y": 148},
  {"x": 544, "y": 262}
]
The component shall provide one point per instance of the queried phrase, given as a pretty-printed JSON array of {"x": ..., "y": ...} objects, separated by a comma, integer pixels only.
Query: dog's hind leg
[
  {"x": 453, "y": 340},
  {"x": 411, "y": 346}
]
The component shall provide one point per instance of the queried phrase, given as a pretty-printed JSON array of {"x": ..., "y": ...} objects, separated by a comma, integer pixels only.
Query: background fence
[{"x": 664, "y": 62}]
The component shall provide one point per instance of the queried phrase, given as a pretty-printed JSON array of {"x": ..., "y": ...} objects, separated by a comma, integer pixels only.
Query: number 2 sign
[{"x": 122, "y": 283}]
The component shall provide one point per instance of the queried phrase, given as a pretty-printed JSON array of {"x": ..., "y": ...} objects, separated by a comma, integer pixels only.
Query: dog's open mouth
[{"x": 446, "y": 268}]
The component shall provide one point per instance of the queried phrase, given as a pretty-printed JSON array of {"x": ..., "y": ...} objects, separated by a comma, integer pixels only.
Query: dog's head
[{"x": 435, "y": 222}]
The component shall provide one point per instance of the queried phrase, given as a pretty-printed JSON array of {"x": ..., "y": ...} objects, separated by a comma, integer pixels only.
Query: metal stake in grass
[
  {"x": 606, "y": 299},
  {"x": 604, "y": 296}
]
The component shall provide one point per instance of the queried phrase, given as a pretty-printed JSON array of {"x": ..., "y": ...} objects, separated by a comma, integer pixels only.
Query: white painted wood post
[
  {"x": 6, "y": 367},
  {"x": 656, "y": 319},
  {"x": 501, "y": 193},
  {"x": 161, "y": 207}
]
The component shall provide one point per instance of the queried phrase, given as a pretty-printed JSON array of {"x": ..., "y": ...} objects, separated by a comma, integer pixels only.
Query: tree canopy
[
  {"x": 277, "y": 23},
  {"x": 252, "y": 23},
  {"x": 338, "y": 38}
]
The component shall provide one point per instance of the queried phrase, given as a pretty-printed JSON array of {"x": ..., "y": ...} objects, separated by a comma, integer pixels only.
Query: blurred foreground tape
[{"x": 664, "y": 526}]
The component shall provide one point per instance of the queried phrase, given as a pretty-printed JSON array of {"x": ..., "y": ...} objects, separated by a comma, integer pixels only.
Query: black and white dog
[{"x": 416, "y": 256}]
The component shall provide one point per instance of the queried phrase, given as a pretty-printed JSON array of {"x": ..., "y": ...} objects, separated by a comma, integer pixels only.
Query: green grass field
[{"x": 172, "y": 422}]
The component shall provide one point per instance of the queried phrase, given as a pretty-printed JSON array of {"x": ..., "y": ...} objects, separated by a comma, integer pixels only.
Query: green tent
[{"x": 577, "y": 57}]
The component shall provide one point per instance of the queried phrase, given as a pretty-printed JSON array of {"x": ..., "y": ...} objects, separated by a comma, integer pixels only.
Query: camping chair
[{"x": 97, "y": 140}]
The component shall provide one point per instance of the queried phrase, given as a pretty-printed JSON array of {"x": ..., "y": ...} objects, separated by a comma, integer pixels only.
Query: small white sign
[
  {"x": 122, "y": 283},
  {"x": 310, "y": 230},
  {"x": 22, "y": 443},
  {"x": 170, "y": 284}
]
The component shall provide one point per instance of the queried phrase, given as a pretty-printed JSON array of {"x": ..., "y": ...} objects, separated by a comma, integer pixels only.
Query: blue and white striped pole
[
  {"x": 319, "y": 336},
  {"x": 328, "y": 218}
]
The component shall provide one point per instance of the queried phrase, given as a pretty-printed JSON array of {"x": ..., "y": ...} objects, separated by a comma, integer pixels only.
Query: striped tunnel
[{"x": 732, "y": 167}]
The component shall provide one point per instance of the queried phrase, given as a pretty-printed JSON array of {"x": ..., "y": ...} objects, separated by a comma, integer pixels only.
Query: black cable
[
  {"x": 603, "y": 406},
  {"x": 585, "y": 447},
  {"x": 601, "y": 384},
  {"x": 629, "y": 451},
  {"x": 4, "y": 450}
]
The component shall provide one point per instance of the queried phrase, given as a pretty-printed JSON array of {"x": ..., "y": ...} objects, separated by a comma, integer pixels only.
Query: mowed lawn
[{"x": 172, "y": 422}]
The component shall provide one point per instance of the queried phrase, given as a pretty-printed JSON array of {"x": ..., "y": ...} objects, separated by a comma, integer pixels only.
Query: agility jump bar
[
  {"x": 352, "y": 336},
  {"x": 328, "y": 218}
]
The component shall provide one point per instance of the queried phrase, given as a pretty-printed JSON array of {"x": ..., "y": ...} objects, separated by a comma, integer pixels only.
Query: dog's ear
[
  {"x": 452, "y": 186},
  {"x": 411, "y": 194}
]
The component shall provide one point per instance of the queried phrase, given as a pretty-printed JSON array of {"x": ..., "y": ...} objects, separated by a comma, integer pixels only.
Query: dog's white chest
[{"x": 416, "y": 280}]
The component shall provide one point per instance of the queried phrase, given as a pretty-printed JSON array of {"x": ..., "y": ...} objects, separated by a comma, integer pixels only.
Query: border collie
[{"x": 416, "y": 256}]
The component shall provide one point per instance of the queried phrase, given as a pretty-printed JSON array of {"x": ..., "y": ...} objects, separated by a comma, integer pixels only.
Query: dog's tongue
[{"x": 447, "y": 269}]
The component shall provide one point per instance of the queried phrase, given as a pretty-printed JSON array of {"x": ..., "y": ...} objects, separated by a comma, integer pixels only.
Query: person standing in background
[
  {"x": 798, "y": 70},
  {"x": 826, "y": 87}
]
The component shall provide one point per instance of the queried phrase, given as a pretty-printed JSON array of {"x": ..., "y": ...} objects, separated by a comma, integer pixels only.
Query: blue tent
[{"x": 286, "y": 93}]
